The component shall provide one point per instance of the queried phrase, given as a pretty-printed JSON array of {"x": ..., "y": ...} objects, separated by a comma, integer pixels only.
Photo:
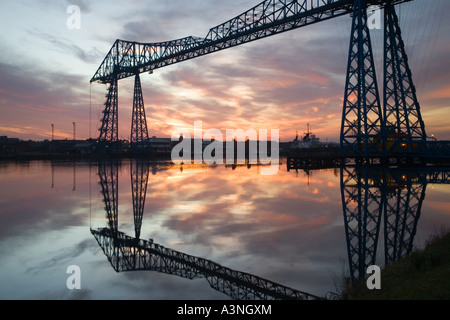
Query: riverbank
[{"x": 422, "y": 275}]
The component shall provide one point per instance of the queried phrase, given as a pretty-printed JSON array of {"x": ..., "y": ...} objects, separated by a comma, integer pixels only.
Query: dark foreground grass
[{"x": 422, "y": 275}]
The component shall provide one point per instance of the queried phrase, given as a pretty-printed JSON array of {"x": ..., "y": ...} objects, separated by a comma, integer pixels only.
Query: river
[{"x": 157, "y": 231}]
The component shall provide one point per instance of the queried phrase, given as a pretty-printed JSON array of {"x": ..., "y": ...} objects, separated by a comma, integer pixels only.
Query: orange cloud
[{"x": 441, "y": 93}]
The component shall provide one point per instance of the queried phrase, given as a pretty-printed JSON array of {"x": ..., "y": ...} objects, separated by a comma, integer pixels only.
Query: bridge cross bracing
[
  {"x": 385, "y": 202},
  {"x": 370, "y": 195},
  {"x": 369, "y": 126},
  {"x": 130, "y": 254}
]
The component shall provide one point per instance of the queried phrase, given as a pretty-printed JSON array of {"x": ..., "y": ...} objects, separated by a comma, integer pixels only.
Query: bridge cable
[
  {"x": 435, "y": 25},
  {"x": 90, "y": 111}
]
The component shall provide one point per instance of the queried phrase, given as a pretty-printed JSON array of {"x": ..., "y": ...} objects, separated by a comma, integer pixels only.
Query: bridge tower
[
  {"x": 402, "y": 116},
  {"x": 139, "y": 180},
  {"x": 370, "y": 195},
  {"x": 402, "y": 205},
  {"x": 362, "y": 115},
  {"x": 362, "y": 208},
  {"x": 139, "y": 130},
  {"x": 109, "y": 182},
  {"x": 369, "y": 128},
  {"x": 109, "y": 132},
  {"x": 128, "y": 254}
]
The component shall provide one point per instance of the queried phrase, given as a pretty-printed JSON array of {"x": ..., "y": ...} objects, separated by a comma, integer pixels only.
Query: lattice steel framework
[
  {"x": 394, "y": 194},
  {"x": 109, "y": 182},
  {"x": 270, "y": 17},
  {"x": 139, "y": 129},
  {"x": 109, "y": 130},
  {"x": 362, "y": 113},
  {"x": 362, "y": 208},
  {"x": 128, "y": 254},
  {"x": 362, "y": 119},
  {"x": 139, "y": 180},
  {"x": 402, "y": 116},
  {"x": 404, "y": 197}
]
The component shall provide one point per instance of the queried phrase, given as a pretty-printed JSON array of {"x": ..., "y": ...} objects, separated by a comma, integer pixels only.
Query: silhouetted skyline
[{"x": 283, "y": 82}]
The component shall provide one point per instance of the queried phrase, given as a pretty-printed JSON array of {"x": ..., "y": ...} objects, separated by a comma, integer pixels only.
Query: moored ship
[{"x": 309, "y": 141}]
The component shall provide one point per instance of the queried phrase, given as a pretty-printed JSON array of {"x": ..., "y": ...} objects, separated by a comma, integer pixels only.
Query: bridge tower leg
[
  {"x": 109, "y": 131},
  {"x": 402, "y": 117},
  {"x": 109, "y": 182},
  {"x": 139, "y": 129},
  {"x": 139, "y": 180},
  {"x": 362, "y": 114},
  {"x": 402, "y": 209},
  {"x": 362, "y": 207}
]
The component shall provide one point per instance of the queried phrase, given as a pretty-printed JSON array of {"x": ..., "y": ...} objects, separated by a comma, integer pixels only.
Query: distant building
[
  {"x": 12, "y": 145},
  {"x": 160, "y": 146},
  {"x": 83, "y": 148},
  {"x": 6, "y": 140}
]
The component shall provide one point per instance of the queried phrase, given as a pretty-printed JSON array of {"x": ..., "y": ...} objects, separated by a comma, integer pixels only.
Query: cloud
[
  {"x": 31, "y": 99},
  {"x": 85, "y": 6},
  {"x": 282, "y": 82},
  {"x": 67, "y": 46},
  {"x": 156, "y": 21},
  {"x": 247, "y": 88},
  {"x": 64, "y": 256}
]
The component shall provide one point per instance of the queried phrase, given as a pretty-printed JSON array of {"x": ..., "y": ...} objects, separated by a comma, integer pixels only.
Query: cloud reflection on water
[{"x": 288, "y": 228}]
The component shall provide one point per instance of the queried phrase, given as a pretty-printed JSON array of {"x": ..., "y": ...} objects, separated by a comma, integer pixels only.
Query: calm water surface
[{"x": 151, "y": 230}]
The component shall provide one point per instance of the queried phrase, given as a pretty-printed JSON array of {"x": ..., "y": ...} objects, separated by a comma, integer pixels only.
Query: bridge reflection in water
[
  {"x": 373, "y": 199},
  {"x": 127, "y": 253},
  {"x": 396, "y": 195}
]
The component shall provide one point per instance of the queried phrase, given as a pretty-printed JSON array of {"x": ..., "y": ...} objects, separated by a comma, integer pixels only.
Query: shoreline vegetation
[{"x": 421, "y": 275}]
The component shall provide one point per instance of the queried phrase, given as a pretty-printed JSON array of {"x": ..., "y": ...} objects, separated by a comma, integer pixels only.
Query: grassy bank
[{"x": 422, "y": 275}]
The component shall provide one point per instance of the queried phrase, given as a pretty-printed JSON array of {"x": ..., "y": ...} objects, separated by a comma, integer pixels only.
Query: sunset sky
[{"x": 282, "y": 82}]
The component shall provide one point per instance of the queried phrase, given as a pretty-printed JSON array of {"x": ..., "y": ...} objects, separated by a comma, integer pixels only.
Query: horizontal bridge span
[
  {"x": 270, "y": 17},
  {"x": 131, "y": 254}
]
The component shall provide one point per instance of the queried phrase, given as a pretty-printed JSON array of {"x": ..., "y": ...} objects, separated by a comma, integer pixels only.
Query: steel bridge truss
[
  {"x": 369, "y": 195},
  {"x": 362, "y": 218},
  {"x": 139, "y": 179},
  {"x": 396, "y": 195},
  {"x": 368, "y": 128},
  {"x": 362, "y": 118},
  {"x": 402, "y": 116},
  {"x": 127, "y": 254},
  {"x": 109, "y": 130},
  {"x": 109, "y": 175},
  {"x": 139, "y": 129}
]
